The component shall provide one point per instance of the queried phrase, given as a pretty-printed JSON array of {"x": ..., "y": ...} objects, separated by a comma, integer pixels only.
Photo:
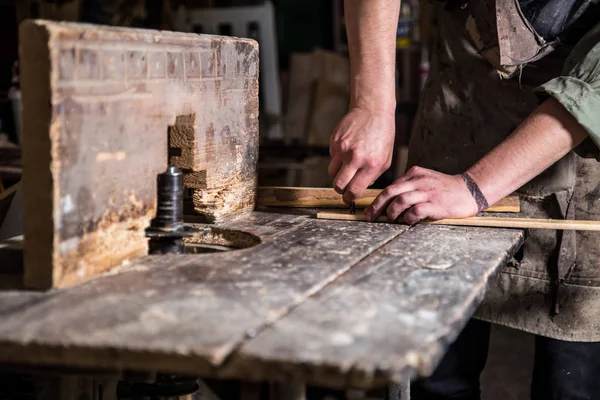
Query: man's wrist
[
  {"x": 476, "y": 193},
  {"x": 376, "y": 106}
]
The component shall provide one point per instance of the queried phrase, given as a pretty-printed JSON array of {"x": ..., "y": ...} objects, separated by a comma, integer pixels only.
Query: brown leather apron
[{"x": 478, "y": 91}]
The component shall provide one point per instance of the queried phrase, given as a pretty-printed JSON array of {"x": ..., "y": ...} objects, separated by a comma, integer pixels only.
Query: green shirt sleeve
[{"x": 578, "y": 88}]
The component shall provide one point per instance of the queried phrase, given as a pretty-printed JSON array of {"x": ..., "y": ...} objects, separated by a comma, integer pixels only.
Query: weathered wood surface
[
  {"x": 104, "y": 111},
  {"x": 185, "y": 312},
  {"x": 389, "y": 318},
  {"x": 332, "y": 302},
  {"x": 279, "y": 196}
]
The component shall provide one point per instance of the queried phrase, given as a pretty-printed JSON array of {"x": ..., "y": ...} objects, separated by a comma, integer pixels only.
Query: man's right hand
[{"x": 361, "y": 148}]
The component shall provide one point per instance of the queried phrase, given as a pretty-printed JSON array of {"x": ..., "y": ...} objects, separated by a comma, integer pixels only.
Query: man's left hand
[{"x": 424, "y": 194}]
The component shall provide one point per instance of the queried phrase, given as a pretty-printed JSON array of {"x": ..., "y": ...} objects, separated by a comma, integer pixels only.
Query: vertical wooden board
[
  {"x": 220, "y": 162},
  {"x": 98, "y": 104},
  {"x": 389, "y": 318}
]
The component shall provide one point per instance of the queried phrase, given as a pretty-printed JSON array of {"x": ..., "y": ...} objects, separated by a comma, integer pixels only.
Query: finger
[
  {"x": 403, "y": 202},
  {"x": 419, "y": 212},
  {"x": 357, "y": 185},
  {"x": 343, "y": 177},
  {"x": 386, "y": 196},
  {"x": 334, "y": 166}
]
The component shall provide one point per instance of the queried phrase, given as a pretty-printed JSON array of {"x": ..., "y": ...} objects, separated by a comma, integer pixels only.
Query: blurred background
[{"x": 304, "y": 80}]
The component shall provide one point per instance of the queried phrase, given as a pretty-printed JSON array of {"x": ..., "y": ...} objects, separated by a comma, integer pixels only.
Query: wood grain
[
  {"x": 105, "y": 110},
  {"x": 186, "y": 313},
  {"x": 490, "y": 222},
  {"x": 279, "y": 196},
  {"x": 367, "y": 304},
  {"x": 388, "y": 318}
]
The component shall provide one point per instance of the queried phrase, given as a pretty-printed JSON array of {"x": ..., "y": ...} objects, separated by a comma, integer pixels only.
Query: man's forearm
[
  {"x": 371, "y": 28},
  {"x": 548, "y": 134}
]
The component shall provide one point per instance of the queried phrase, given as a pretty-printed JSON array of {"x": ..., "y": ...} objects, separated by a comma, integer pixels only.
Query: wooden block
[
  {"x": 99, "y": 104},
  {"x": 490, "y": 222},
  {"x": 278, "y": 196}
]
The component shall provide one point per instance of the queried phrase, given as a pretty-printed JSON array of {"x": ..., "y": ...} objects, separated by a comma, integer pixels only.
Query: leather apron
[{"x": 472, "y": 100}]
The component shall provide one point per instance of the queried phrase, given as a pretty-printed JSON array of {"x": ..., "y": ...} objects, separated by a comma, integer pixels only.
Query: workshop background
[{"x": 304, "y": 91}]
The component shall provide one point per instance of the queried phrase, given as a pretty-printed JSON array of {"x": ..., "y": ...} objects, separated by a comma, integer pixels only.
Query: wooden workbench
[{"x": 332, "y": 303}]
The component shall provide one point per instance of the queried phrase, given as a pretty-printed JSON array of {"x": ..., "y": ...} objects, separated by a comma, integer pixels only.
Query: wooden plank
[
  {"x": 490, "y": 222},
  {"x": 279, "y": 196},
  {"x": 105, "y": 110},
  {"x": 389, "y": 318},
  {"x": 186, "y": 313}
]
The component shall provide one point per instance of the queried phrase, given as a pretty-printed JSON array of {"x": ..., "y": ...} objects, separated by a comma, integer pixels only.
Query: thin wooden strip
[
  {"x": 490, "y": 222},
  {"x": 280, "y": 196}
]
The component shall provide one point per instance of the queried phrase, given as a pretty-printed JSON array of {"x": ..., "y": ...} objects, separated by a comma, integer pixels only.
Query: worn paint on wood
[
  {"x": 104, "y": 109},
  {"x": 389, "y": 318},
  {"x": 186, "y": 313},
  {"x": 334, "y": 303}
]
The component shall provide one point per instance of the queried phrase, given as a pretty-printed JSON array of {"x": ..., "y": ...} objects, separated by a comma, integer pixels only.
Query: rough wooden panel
[
  {"x": 185, "y": 313},
  {"x": 98, "y": 104},
  {"x": 389, "y": 318}
]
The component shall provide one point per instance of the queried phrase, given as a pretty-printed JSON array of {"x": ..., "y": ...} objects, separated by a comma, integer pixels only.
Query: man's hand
[
  {"x": 422, "y": 193},
  {"x": 361, "y": 150}
]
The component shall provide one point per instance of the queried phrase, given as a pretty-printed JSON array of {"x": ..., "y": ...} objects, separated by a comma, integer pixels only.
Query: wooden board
[
  {"x": 490, "y": 222},
  {"x": 105, "y": 110},
  {"x": 387, "y": 319},
  {"x": 337, "y": 303},
  {"x": 185, "y": 313},
  {"x": 279, "y": 196}
]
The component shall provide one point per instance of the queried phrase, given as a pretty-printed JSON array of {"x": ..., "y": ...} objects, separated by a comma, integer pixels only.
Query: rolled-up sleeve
[{"x": 578, "y": 88}]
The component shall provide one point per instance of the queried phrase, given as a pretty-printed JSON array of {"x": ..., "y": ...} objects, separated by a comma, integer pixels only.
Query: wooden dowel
[
  {"x": 278, "y": 196},
  {"x": 490, "y": 222}
]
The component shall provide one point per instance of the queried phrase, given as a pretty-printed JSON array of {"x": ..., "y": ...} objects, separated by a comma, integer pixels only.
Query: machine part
[
  {"x": 169, "y": 201},
  {"x": 166, "y": 231}
]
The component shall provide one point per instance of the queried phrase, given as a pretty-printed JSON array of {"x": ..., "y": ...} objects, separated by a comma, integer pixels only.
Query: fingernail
[{"x": 369, "y": 215}]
